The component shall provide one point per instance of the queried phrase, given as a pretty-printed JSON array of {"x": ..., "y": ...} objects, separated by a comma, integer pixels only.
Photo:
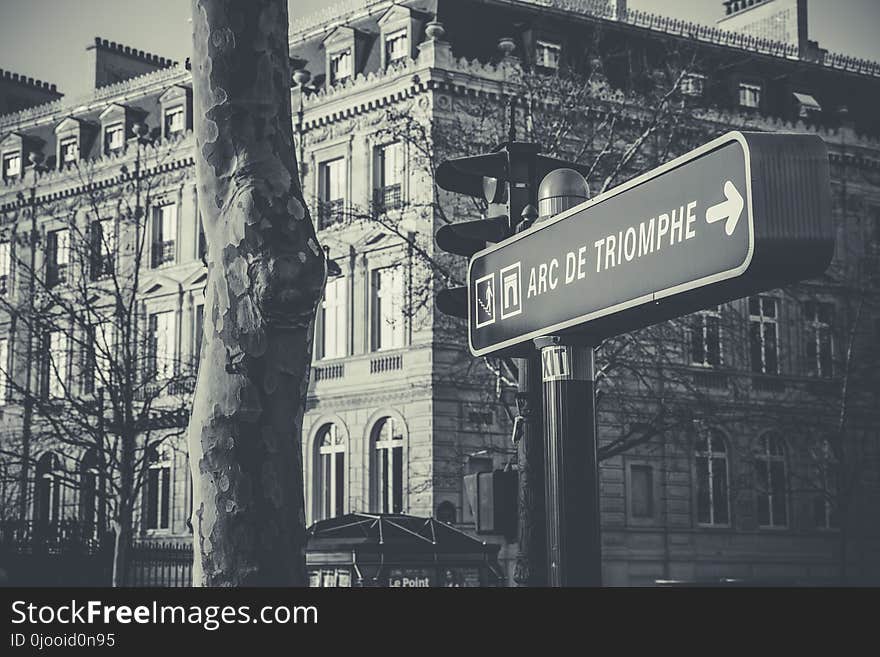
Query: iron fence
[{"x": 155, "y": 563}]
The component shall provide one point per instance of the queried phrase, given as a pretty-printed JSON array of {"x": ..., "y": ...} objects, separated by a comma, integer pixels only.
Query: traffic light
[
  {"x": 492, "y": 499},
  {"x": 507, "y": 179}
]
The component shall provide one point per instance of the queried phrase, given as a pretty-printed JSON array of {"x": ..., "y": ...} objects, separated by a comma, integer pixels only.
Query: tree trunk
[
  {"x": 125, "y": 515},
  {"x": 531, "y": 558},
  {"x": 266, "y": 273}
]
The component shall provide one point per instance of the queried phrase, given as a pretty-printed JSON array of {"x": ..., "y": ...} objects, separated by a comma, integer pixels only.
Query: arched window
[
  {"x": 329, "y": 473},
  {"x": 770, "y": 482},
  {"x": 157, "y": 507},
  {"x": 446, "y": 512},
  {"x": 387, "y": 440},
  {"x": 89, "y": 482},
  {"x": 47, "y": 491},
  {"x": 713, "y": 503}
]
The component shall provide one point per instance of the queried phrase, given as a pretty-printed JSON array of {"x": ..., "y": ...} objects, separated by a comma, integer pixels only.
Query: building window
[
  {"x": 202, "y": 246},
  {"x": 819, "y": 345},
  {"x": 641, "y": 489},
  {"x": 114, "y": 138},
  {"x": 331, "y": 192},
  {"x": 329, "y": 473},
  {"x": 771, "y": 485},
  {"x": 389, "y": 175},
  {"x": 69, "y": 150},
  {"x": 5, "y": 266},
  {"x": 12, "y": 165},
  {"x": 395, "y": 47},
  {"x": 164, "y": 234},
  {"x": 548, "y": 54},
  {"x": 341, "y": 66},
  {"x": 103, "y": 248},
  {"x": 198, "y": 335},
  {"x": 824, "y": 475},
  {"x": 174, "y": 121},
  {"x": 89, "y": 489},
  {"x": 54, "y": 370},
  {"x": 57, "y": 256},
  {"x": 764, "y": 334},
  {"x": 158, "y": 489},
  {"x": 388, "y": 480},
  {"x": 807, "y": 106},
  {"x": 47, "y": 491},
  {"x": 692, "y": 84},
  {"x": 387, "y": 313},
  {"x": 446, "y": 512},
  {"x": 332, "y": 342},
  {"x": 712, "y": 480},
  {"x": 750, "y": 95},
  {"x": 706, "y": 337},
  {"x": 161, "y": 331},
  {"x": 4, "y": 369}
]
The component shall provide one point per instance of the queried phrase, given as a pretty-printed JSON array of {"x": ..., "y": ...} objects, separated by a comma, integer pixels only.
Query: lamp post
[
  {"x": 571, "y": 480},
  {"x": 36, "y": 160}
]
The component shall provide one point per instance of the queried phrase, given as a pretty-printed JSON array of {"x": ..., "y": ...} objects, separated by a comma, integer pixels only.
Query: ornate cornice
[{"x": 159, "y": 160}]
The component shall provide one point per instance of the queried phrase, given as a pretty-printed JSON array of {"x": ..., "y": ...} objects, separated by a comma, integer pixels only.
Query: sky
[{"x": 46, "y": 39}]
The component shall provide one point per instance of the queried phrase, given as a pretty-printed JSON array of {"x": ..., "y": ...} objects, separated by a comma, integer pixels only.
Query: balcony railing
[
  {"x": 163, "y": 253},
  {"x": 386, "y": 364},
  {"x": 711, "y": 380},
  {"x": 331, "y": 212},
  {"x": 56, "y": 274},
  {"x": 767, "y": 383},
  {"x": 101, "y": 266},
  {"x": 334, "y": 371},
  {"x": 369, "y": 369},
  {"x": 387, "y": 198}
]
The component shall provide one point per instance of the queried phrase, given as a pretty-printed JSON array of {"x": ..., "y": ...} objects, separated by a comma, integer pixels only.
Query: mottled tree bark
[{"x": 266, "y": 273}]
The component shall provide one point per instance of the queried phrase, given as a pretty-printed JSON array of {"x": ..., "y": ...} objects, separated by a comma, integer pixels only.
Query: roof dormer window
[
  {"x": 692, "y": 84},
  {"x": 548, "y": 54},
  {"x": 340, "y": 66},
  {"x": 175, "y": 122},
  {"x": 176, "y": 111},
  {"x": 749, "y": 95},
  {"x": 68, "y": 151},
  {"x": 807, "y": 106},
  {"x": 114, "y": 138},
  {"x": 12, "y": 165},
  {"x": 395, "y": 47}
]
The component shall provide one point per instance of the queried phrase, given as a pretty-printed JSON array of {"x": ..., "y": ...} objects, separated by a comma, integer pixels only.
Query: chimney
[
  {"x": 18, "y": 92},
  {"x": 112, "y": 62},
  {"x": 784, "y": 21}
]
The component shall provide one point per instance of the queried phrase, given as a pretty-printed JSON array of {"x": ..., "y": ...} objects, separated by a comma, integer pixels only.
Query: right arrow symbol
[{"x": 730, "y": 208}]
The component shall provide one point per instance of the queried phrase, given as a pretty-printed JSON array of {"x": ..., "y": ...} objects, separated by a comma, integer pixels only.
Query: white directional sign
[{"x": 742, "y": 212}]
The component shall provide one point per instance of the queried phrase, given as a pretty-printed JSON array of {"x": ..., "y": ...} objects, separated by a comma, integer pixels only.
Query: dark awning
[{"x": 398, "y": 533}]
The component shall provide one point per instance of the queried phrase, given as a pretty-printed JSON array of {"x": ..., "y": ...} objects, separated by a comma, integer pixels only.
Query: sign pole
[{"x": 571, "y": 465}]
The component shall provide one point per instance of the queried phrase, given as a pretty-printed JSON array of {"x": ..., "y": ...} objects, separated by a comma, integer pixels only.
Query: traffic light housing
[
  {"x": 492, "y": 497},
  {"x": 507, "y": 179}
]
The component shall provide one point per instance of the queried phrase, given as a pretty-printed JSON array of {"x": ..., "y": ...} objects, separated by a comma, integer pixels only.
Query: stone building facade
[{"x": 398, "y": 411}]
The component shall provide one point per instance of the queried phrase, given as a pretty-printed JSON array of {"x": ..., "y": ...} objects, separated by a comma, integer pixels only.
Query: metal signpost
[{"x": 744, "y": 213}]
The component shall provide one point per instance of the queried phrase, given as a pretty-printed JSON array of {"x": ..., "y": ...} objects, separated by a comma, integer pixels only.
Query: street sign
[{"x": 744, "y": 213}]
